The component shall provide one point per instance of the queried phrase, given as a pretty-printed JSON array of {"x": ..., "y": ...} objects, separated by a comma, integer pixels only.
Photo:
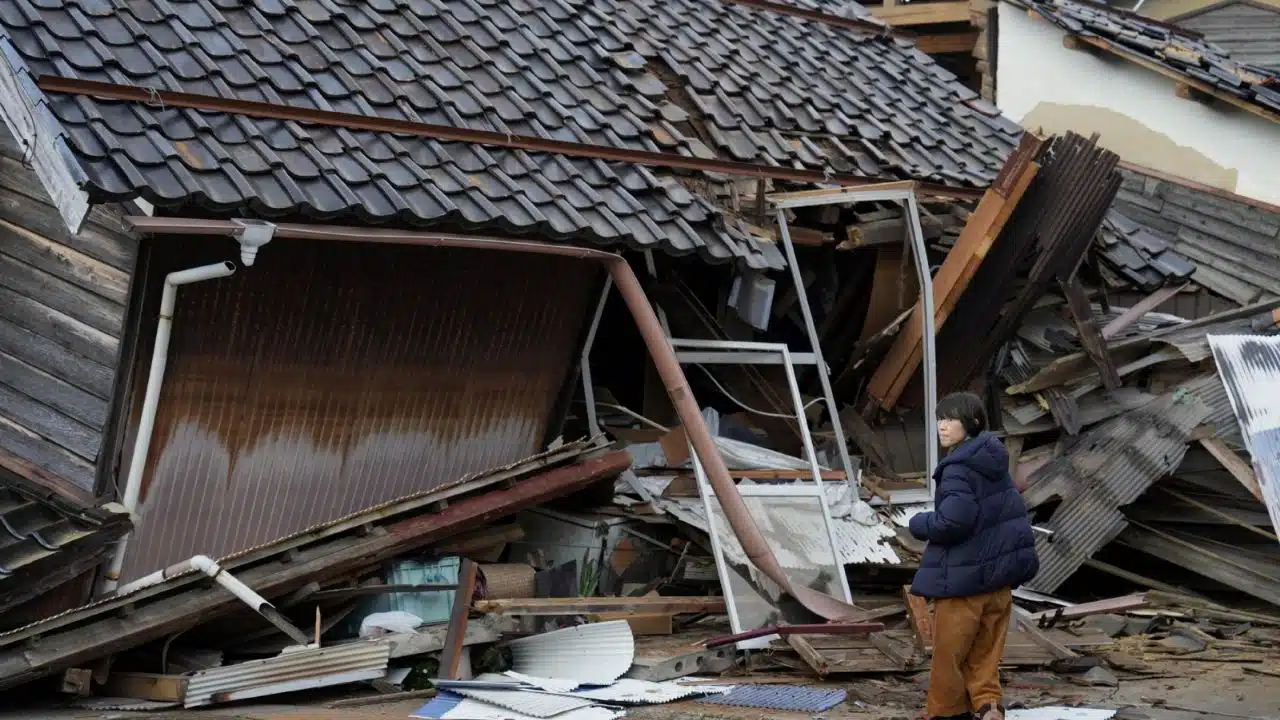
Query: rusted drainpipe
[{"x": 664, "y": 359}]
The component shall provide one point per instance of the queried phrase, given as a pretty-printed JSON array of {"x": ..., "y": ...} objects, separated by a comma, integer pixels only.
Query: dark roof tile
[{"x": 776, "y": 90}]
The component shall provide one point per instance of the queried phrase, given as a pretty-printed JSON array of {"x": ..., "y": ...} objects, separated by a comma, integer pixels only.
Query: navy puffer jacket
[{"x": 979, "y": 534}]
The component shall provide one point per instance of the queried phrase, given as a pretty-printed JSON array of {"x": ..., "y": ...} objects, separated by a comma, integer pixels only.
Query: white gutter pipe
[
  {"x": 206, "y": 565},
  {"x": 146, "y": 424}
]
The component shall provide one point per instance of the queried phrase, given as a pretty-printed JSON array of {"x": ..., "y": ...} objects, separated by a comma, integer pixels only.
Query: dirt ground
[{"x": 1186, "y": 691}]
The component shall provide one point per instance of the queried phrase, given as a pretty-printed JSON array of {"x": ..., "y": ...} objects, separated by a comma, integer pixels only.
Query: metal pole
[
  {"x": 812, "y": 330},
  {"x": 928, "y": 337},
  {"x": 588, "y": 388}
]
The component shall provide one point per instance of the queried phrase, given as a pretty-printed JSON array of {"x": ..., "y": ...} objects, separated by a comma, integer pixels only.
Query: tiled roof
[
  {"x": 747, "y": 85},
  {"x": 1249, "y": 30},
  {"x": 42, "y": 540},
  {"x": 1147, "y": 40},
  {"x": 1144, "y": 257},
  {"x": 1231, "y": 239}
]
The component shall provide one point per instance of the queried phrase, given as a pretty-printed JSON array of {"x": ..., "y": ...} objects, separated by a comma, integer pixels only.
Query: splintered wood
[{"x": 975, "y": 240}]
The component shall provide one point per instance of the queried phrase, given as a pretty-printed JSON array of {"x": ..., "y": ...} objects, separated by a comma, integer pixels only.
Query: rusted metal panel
[
  {"x": 331, "y": 376},
  {"x": 321, "y": 554}
]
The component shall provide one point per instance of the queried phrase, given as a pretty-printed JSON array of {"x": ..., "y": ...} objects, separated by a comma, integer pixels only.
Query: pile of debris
[{"x": 605, "y": 573}]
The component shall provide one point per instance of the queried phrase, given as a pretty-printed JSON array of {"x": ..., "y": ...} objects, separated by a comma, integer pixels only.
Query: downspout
[
  {"x": 664, "y": 359},
  {"x": 252, "y": 235},
  {"x": 146, "y": 424},
  {"x": 206, "y": 565}
]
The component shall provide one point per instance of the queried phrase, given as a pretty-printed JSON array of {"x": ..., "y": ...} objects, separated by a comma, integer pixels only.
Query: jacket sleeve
[{"x": 952, "y": 521}]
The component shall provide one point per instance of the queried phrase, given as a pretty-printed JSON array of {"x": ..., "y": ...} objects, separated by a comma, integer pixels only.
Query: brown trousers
[{"x": 968, "y": 644}]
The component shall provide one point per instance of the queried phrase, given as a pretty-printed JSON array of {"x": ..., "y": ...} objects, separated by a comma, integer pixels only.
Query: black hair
[{"x": 967, "y": 408}]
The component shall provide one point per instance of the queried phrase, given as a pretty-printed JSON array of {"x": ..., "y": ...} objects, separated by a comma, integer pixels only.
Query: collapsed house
[{"x": 406, "y": 228}]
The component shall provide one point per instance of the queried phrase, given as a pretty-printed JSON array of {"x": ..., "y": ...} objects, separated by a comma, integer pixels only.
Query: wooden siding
[{"x": 63, "y": 301}]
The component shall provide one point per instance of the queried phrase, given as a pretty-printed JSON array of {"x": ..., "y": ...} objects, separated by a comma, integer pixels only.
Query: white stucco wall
[{"x": 1040, "y": 83}]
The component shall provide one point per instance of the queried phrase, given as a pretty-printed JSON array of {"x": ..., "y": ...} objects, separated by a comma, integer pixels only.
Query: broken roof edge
[
  {"x": 1190, "y": 184},
  {"x": 1049, "y": 10},
  {"x": 285, "y": 569},
  {"x": 577, "y": 450}
]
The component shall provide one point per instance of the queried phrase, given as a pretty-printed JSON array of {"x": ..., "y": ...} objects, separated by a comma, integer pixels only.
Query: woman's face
[{"x": 950, "y": 432}]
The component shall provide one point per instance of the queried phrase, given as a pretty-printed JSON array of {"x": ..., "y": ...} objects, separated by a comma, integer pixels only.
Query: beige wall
[{"x": 1135, "y": 111}]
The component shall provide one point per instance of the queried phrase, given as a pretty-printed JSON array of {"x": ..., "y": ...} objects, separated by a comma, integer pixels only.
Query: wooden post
[{"x": 453, "y": 648}]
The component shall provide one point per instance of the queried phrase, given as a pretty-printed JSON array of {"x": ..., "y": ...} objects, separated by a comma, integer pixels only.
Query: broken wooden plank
[
  {"x": 962, "y": 42},
  {"x": 807, "y": 653},
  {"x": 482, "y": 539},
  {"x": 899, "y": 653},
  {"x": 1028, "y": 625},
  {"x": 371, "y": 590},
  {"x": 1239, "y": 468},
  {"x": 926, "y": 13},
  {"x": 146, "y": 686},
  {"x": 587, "y": 606},
  {"x": 1097, "y": 607},
  {"x": 641, "y": 623},
  {"x": 1090, "y": 337},
  {"x": 921, "y": 619},
  {"x": 961, "y": 264},
  {"x": 451, "y": 655}
]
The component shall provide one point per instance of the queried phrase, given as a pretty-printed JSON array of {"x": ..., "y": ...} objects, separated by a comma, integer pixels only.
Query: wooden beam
[
  {"x": 146, "y": 686},
  {"x": 1187, "y": 92},
  {"x": 585, "y": 606},
  {"x": 1190, "y": 82},
  {"x": 1090, "y": 337},
  {"x": 921, "y": 619},
  {"x": 1028, "y": 625},
  {"x": 923, "y": 13},
  {"x": 963, "y": 42},
  {"x": 451, "y": 655},
  {"x": 1239, "y": 468},
  {"x": 962, "y": 263}
]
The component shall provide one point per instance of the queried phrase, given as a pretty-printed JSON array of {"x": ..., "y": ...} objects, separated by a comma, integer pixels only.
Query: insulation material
[
  {"x": 451, "y": 706},
  {"x": 780, "y": 697},
  {"x": 507, "y": 580},
  {"x": 595, "y": 654}
]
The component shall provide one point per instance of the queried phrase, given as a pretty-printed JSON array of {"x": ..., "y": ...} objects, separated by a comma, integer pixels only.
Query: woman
[{"x": 980, "y": 547}]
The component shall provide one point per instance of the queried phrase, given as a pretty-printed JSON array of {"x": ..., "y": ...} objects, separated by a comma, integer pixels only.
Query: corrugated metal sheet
[
  {"x": 1108, "y": 468},
  {"x": 594, "y": 654},
  {"x": 630, "y": 691},
  {"x": 1250, "y": 369},
  {"x": 526, "y": 702},
  {"x": 780, "y": 697},
  {"x": 448, "y": 705},
  {"x": 329, "y": 376},
  {"x": 290, "y": 671}
]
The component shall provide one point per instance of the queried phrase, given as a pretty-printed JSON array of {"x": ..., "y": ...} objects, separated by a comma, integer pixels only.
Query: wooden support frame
[
  {"x": 585, "y": 606},
  {"x": 1090, "y": 335},
  {"x": 451, "y": 655},
  {"x": 1239, "y": 468},
  {"x": 949, "y": 283},
  {"x": 923, "y": 13}
]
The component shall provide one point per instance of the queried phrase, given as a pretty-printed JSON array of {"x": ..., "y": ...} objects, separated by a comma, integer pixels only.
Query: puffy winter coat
[{"x": 979, "y": 534}]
